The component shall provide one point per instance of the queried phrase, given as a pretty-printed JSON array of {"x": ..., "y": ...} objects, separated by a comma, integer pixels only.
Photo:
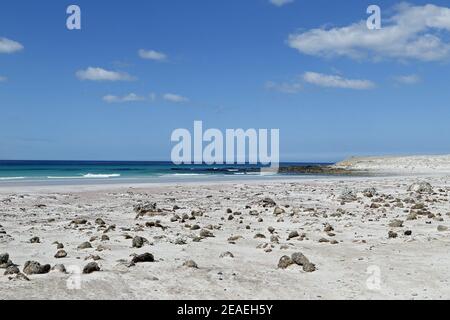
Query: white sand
[
  {"x": 416, "y": 266},
  {"x": 402, "y": 165}
]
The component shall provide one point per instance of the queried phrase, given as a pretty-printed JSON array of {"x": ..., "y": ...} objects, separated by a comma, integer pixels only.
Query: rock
[
  {"x": 138, "y": 242},
  {"x": 35, "y": 240},
  {"x": 392, "y": 235},
  {"x": 79, "y": 221},
  {"x": 396, "y": 223},
  {"x": 309, "y": 267},
  {"x": 59, "y": 246},
  {"x": 418, "y": 206},
  {"x": 226, "y": 254},
  {"x": 408, "y": 233},
  {"x": 100, "y": 222},
  {"x": 278, "y": 211},
  {"x": 206, "y": 233},
  {"x": 84, "y": 245},
  {"x": 91, "y": 267},
  {"x": 299, "y": 259},
  {"x": 60, "y": 254},
  {"x": 369, "y": 192},
  {"x": 190, "y": 264},
  {"x": 421, "y": 187},
  {"x": 412, "y": 216},
  {"x": 293, "y": 234},
  {"x": 348, "y": 196},
  {"x": 442, "y": 228},
  {"x": 105, "y": 237},
  {"x": 267, "y": 202},
  {"x": 259, "y": 236},
  {"x": 21, "y": 276},
  {"x": 285, "y": 262},
  {"x": 146, "y": 257},
  {"x": 145, "y": 208},
  {"x": 33, "y": 267},
  {"x": 328, "y": 228},
  {"x": 59, "y": 268},
  {"x": 271, "y": 229},
  {"x": 11, "y": 270},
  {"x": 4, "y": 257}
]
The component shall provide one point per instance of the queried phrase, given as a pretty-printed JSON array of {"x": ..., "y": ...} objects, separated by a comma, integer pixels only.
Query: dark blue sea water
[{"x": 117, "y": 170}]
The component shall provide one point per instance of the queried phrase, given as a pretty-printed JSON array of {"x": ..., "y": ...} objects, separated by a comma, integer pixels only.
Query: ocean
[{"x": 96, "y": 171}]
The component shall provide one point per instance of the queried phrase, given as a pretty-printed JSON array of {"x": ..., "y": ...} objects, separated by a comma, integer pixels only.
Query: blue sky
[{"x": 137, "y": 70}]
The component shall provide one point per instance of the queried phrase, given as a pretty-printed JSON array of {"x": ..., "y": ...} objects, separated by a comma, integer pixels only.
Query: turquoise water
[{"x": 11, "y": 171}]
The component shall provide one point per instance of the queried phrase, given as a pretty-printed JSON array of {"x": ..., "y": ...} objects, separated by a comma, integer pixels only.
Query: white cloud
[
  {"x": 407, "y": 79},
  {"x": 334, "y": 81},
  {"x": 152, "y": 55},
  {"x": 174, "y": 98},
  {"x": 280, "y": 3},
  {"x": 285, "y": 87},
  {"x": 132, "y": 97},
  {"x": 9, "y": 46},
  {"x": 99, "y": 74},
  {"x": 3, "y": 79},
  {"x": 413, "y": 32}
]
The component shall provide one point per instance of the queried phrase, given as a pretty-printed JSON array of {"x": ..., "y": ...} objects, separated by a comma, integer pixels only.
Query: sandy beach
[{"x": 327, "y": 238}]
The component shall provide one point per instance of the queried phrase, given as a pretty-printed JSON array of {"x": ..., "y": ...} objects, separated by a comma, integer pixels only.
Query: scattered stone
[
  {"x": 139, "y": 242},
  {"x": 206, "y": 233},
  {"x": 396, "y": 223},
  {"x": 421, "y": 187},
  {"x": 285, "y": 262},
  {"x": 392, "y": 235},
  {"x": 59, "y": 246},
  {"x": 267, "y": 203},
  {"x": 328, "y": 228},
  {"x": 441, "y": 228},
  {"x": 369, "y": 192},
  {"x": 146, "y": 257},
  {"x": 190, "y": 264},
  {"x": 142, "y": 209},
  {"x": 105, "y": 237},
  {"x": 91, "y": 267},
  {"x": 35, "y": 240},
  {"x": 278, "y": 211},
  {"x": 408, "y": 232},
  {"x": 33, "y": 267},
  {"x": 226, "y": 254},
  {"x": 11, "y": 270},
  {"x": 100, "y": 222},
  {"x": 84, "y": 245},
  {"x": 59, "y": 268},
  {"x": 293, "y": 234},
  {"x": 60, "y": 254},
  {"x": 299, "y": 259},
  {"x": 79, "y": 221},
  {"x": 4, "y": 258}
]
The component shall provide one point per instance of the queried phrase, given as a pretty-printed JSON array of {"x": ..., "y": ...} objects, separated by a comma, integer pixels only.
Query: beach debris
[
  {"x": 60, "y": 254},
  {"x": 34, "y": 267},
  {"x": 145, "y": 257},
  {"x": 421, "y": 187},
  {"x": 91, "y": 267},
  {"x": 190, "y": 264},
  {"x": 146, "y": 208}
]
